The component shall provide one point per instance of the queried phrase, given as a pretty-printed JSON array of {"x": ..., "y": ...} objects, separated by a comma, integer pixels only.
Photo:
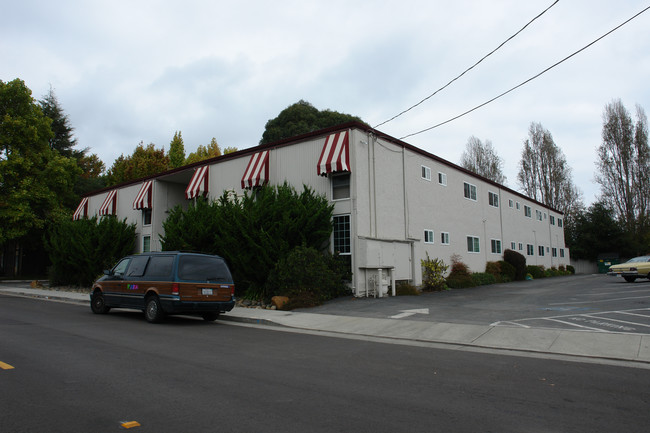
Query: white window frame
[
  {"x": 495, "y": 246},
  {"x": 559, "y": 222},
  {"x": 530, "y": 249},
  {"x": 470, "y": 189},
  {"x": 428, "y": 236},
  {"x": 476, "y": 244},
  {"x": 513, "y": 246},
  {"x": 521, "y": 246},
  {"x": 148, "y": 238},
  {"x": 540, "y": 250},
  {"x": 493, "y": 199},
  {"x": 528, "y": 211},
  {"x": 426, "y": 173},
  {"x": 518, "y": 205},
  {"x": 511, "y": 204},
  {"x": 553, "y": 252},
  {"x": 442, "y": 178},
  {"x": 444, "y": 238},
  {"x": 341, "y": 186},
  {"x": 552, "y": 220},
  {"x": 562, "y": 252},
  {"x": 538, "y": 214}
]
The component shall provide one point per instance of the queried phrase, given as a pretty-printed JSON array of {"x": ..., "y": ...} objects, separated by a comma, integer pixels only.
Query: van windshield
[{"x": 203, "y": 268}]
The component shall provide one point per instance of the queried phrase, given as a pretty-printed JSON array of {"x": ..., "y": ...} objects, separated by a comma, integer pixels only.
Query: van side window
[
  {"x": 159, "y": 267},
  {"x": 138, "y": 264}
]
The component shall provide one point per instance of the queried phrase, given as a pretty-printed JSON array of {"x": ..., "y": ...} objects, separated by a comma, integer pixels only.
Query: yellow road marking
[
  {"x": 5, "y": 366},
  {"x": 130, "y": 424}
]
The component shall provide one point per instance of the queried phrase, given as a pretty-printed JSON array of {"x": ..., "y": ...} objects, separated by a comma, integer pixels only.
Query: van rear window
[{"x": 203, "y": 268}]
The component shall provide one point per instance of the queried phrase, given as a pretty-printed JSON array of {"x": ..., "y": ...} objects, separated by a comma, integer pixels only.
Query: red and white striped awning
[
  {"x": 335, "y": 155},
  {"x": 257, "y": 171},
  {"x": 199, "y": 183},
  {"x": 82, "y": 210},
  {"x": 143, "y": 199},
  {"x": 109, "y": 207}
]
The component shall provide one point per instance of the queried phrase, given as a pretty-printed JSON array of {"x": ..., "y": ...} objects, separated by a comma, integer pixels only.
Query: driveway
[{"x": 587, "y": 302}]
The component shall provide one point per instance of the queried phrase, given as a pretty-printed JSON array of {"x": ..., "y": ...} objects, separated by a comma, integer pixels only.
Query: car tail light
[
  {"x": 232, "y": 290},
  {"x": 175, "y": 289}
]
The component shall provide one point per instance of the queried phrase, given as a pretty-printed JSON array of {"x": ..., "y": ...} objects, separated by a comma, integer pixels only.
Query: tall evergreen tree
[{"x": 176, "y": 151}]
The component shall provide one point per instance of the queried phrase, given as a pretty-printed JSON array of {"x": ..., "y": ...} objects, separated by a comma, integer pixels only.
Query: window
[
  {"x": 146, "y": 217},
  {"x": 552, "y": 220},
  {"x": 518, "y": 206},
  {"x": 513, "y": 246},
  {"x": 493, "y": 199},
  {"x": 138, "y": 265},
  {"x": 473, "y": 244},
  {"x": 469, "y": 191},
  {"x": 426, "y": 173},
  {"x": 540, "y": 249},
  {"x": 559, "y": 222},
  {"x": 341, "y": 186},
  {"x": 442, "y": 179},
  {"x": 146, "y": 244},
  {"x": 529, "y": 250},
  {"x": 496, "y": 246},
  {"x": 444, "y": 238},
  {"x": 528, "y": 211},
  {"x": 538, "y": 214},
  {"x": 511, "y": 204},
  {"x": 554, "y": 252},
  {"x": 203, "y": 268},
  {"x": 428, "y": 236},
  {"x": 342, "y": 234},
  {"x": 521, "y": 246},
  {"x": 159, "y": 267},
  {"x": 120, "y": 268},
  {"x": 561, "y": 252}
]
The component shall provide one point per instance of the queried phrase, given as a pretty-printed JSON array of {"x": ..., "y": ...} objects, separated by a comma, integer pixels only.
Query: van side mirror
[{"x": 107, "y": 272}]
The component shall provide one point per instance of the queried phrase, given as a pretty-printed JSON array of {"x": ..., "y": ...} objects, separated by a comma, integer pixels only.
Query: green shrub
[
  {"x": 483, "y": 278},
  {"x": 81, "y": 250},
  {"x": 433, "y": 274},
  {"x": 536, "y": 271},
  {"x": 508, "y": 272},
  {"x": 404, "y": 288},
  {"x": 460, "y": 276},
  {"x": 571, "y": 269},
  {"x": 518, "y": 261},
  {"x": 493, "y": 268},
  {"x": 306, "y": 275}
]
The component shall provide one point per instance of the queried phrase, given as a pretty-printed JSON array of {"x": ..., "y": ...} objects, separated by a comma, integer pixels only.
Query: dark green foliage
[
  {"x": 460, "y": 276},
  {"x": 518, "y": 261},
  {"x": 570, "y": 269},
  {"x": 252, "y": 232},
  {"x": 483, "y": 278},
  {"x": 493, "y": 268},
  {"x": 81, "y": 250},
  {"x": 536, "y": 271},
  {"x": 404, "y": 288},
  {"x": 508, "y": 271},
  {"x": 302, "y": 118},
  {"x": 596, "y": 231},
  {"x": 306, "y": 275}
]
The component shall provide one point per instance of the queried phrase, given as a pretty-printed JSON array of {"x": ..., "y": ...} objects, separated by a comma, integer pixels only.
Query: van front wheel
[{"x": 153, "y": 311}]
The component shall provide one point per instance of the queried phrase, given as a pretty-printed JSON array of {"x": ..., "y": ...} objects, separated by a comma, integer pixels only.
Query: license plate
[{"x": 206, "y": 291}]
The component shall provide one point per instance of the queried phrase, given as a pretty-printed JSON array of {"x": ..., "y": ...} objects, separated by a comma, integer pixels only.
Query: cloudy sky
[{"x": 131, "y": 71}]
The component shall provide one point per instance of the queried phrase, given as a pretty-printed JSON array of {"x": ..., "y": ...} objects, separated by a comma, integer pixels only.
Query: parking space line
[
  {"x": 575, "y": 324},
  {"x": 635, "y": 314},
  {"x": 615, "y": 320},
  {"x": 602, "y": 300}
]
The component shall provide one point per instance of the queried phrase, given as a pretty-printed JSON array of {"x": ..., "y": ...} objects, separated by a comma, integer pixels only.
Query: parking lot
[{"x": 583, "y": 302}]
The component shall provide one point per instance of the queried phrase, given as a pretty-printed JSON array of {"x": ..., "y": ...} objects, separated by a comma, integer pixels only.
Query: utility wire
[
  {"x": 471, "y": 67},
  {"x": 528, "y": 80}
]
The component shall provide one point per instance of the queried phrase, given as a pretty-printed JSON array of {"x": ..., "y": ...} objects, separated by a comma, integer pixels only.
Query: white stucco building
[{"x": 393, "y": 203}]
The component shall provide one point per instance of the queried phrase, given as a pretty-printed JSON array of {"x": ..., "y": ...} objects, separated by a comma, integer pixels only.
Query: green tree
[
  {"x": 624, "y": 170},
  {"x": 35, "y": 181},
  {"x": 202, "y": 153},
  {"x": 145, "y": 161},
  {"x": 62, "y": 140},
  {"x": 176, "y": 153},
  {"x": 482, "y": 159},
  {"x": 301, "y": 118},
  {"x": 597, "y": 231},
  {"x": 252, "y": 232},
  {"x": 229, "y": 149}
]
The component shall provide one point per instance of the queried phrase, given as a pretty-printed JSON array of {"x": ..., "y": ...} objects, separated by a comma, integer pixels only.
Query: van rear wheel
[{"x": 153, "y": 311}]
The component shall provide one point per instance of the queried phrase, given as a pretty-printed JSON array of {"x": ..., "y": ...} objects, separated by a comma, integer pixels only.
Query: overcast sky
[{"x": 131, "y": 71}]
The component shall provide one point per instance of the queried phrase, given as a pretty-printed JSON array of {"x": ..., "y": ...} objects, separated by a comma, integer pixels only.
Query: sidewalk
[{"x": 583, "y": 344}]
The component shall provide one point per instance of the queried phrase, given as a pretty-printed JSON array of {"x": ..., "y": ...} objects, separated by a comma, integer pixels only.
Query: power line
[
  {"x": 471, "y": 67},
  {"x": 528, "y": 80}
]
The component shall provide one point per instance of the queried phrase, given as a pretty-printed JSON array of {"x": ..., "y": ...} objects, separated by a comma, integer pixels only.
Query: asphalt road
[
  {"x": 592, "y": 302},
  {"x": 78, "y": 372}
]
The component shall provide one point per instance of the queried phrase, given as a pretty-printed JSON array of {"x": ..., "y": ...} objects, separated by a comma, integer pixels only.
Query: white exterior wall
[{"x": 390, "y": 206}]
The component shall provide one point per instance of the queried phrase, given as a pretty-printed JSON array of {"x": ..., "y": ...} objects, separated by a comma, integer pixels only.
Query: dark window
[
  {"x": 146, "y": 217},
  {"x": 341, "y": 186},
  {"x": 203, "y": 268},
  {"x": 160, "y": 267},
  {"x": 138, "y": 265},
  {"x": 120, "y": 268},
  {"x": 342, "y": 234}
]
